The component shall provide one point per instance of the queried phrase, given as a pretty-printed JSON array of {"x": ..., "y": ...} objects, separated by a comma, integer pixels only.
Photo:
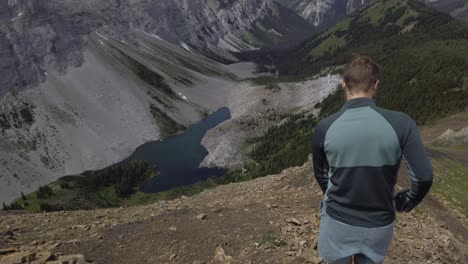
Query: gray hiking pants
[{"x": 338, "y": 242}]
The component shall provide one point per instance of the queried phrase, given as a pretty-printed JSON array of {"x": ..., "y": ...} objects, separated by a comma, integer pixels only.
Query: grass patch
[
  {"x": 143, "y": 72},
  {"x": 329, "y": 44},
  {"x": 166, "y": 124},
  {"x": 252, "y": 40},
  {"x": 272, "y": 239},
  {"x": 451, "y": 183},
  {"x": 187, "y": 61},
  {"x": 264, "y": 81}
]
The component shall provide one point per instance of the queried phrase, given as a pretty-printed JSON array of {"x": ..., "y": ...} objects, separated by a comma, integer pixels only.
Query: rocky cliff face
[
  {"x": 324, "y": 12},
  {"x": 37, "y": 36}
]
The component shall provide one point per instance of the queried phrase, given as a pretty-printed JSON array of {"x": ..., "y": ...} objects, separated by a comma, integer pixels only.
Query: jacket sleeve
[
  {"x": 319, "y": 159},
  {"x": 418, "y": 164}
]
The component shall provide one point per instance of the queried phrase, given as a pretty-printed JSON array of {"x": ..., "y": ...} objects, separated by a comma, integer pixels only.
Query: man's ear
[
  {"x": 376, "y": 85},
  {"x": 347, "y": 93}
]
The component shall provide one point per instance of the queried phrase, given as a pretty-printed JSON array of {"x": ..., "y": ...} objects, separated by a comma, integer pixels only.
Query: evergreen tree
[{"x": 44, "y": 192}]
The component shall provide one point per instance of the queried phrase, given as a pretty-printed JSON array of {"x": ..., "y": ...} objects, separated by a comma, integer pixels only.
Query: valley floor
[{"x": 267, "y": 220}]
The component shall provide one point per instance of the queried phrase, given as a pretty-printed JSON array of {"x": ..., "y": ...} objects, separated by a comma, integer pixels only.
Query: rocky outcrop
[
  {"x": 324, "y": 13},
  {"x": 451, "y": 138},
  {"x": 35, "y": 38}
]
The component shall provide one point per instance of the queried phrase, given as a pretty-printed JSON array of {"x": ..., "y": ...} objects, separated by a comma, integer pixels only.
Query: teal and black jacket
[{"x": 357, "y": 154}]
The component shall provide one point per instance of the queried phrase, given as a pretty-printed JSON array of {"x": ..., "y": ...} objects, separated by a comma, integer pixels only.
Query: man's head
[{"x": 361, "y": 77}]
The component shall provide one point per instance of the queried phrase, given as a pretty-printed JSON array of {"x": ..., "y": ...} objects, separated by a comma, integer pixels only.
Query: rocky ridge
[{"x": 267, "y": 220}]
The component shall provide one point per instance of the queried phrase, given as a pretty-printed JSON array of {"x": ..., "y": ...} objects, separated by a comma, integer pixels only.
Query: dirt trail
[{"x": 268, "y": 220}]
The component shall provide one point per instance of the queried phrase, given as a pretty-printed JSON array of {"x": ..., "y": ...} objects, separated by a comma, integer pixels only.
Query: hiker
[{"x": 357, "y": 153}]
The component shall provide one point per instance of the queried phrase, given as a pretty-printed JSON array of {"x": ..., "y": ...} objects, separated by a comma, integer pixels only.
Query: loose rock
[
  {"x": 221, "y": 257},
  {"x": 201, "y": 216},
  {"x": 294, "y": 221}
]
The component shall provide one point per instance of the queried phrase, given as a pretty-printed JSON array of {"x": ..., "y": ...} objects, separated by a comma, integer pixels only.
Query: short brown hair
[{"x": 361, "y": 74}]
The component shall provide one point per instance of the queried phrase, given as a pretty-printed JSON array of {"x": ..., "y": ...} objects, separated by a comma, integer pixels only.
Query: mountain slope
[
  {"x": 83, "y": 83},
  {"x": 423, "y": 54},
  {"x": 40, "y": 35},
  {"x": 99, "y": 113},
  {"x": 268, "y": 220},
  {"x": 325, "y": 13},
  {"x": 37, "y": 36},
  {"x": 281, "y": 27}
]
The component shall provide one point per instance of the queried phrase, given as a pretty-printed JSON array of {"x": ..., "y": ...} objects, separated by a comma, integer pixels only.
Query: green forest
[
  {"x": 423, "y": 55},
  {"x": 284, "y": 146},
  {"x": 109, "y": 187}
]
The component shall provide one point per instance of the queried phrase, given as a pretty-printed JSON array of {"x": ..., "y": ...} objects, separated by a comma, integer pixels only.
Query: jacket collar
[{"x": 358, "y": 102}]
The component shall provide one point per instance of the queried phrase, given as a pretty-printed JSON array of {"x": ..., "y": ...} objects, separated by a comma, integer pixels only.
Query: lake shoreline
[{"x": 178, "y": 157}]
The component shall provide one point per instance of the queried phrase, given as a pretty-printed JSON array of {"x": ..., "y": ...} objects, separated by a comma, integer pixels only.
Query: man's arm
[
  {"x": 320, "y": 160},
  {"x": 420, "y": 170}
]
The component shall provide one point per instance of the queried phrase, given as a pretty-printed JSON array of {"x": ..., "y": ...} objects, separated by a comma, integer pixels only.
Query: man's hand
[{"x": 404, "y": 202}]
